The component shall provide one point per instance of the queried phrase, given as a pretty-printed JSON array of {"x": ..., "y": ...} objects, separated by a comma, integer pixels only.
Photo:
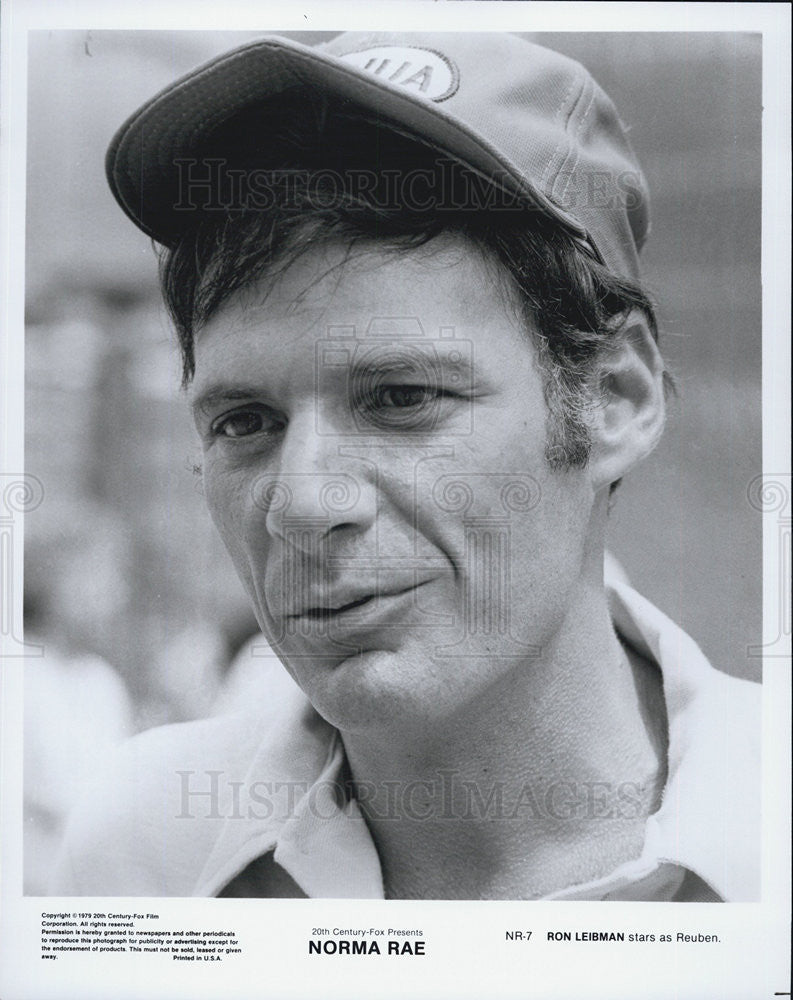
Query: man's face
[{"x": 373, "y": 433}]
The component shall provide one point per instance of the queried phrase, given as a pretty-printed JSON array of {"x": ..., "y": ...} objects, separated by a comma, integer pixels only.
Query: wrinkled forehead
[
  {"x": 373, "y": 288},
  {"x": 371, "y": 304}
]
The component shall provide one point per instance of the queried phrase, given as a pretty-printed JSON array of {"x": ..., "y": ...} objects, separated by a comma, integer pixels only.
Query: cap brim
[{"x": 178, "y": 122}]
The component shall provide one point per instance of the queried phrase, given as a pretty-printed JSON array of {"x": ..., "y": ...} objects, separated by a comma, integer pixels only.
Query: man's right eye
[{"x": 244, "y": 423}]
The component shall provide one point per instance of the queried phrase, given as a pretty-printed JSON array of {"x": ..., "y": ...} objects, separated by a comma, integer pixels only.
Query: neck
[{"x": 546, "y": 782}]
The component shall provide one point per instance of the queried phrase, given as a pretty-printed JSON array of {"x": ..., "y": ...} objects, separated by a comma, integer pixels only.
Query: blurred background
[{"x": 127, "y": 586}]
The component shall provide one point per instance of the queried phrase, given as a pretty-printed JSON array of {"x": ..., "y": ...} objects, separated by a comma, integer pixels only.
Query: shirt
[{"x": 251, "y": 806}]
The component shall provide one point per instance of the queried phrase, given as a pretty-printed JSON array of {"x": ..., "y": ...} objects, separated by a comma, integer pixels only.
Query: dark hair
[{"x": 326, "y": 176}]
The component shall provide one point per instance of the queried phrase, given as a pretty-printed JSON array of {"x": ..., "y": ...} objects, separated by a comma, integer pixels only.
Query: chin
[{"x": 368, "y": 692}]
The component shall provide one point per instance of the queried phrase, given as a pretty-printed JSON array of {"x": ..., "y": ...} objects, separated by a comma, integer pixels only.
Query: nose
[{"x": 316, "y": 491}]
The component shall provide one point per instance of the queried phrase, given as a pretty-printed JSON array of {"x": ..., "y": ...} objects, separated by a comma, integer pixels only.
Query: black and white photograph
[{"x": 401, "y": 540}]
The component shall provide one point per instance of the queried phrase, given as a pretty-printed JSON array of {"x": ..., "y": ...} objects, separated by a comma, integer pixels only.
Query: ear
[{"x": 629, "y": 419}]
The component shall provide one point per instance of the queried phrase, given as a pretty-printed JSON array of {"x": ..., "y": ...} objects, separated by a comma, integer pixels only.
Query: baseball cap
[{"x": 530, "y": 120}]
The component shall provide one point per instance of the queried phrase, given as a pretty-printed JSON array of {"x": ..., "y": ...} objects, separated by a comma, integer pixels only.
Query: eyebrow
[
  {"x": 220, "y": 393},
  {"x": 402, "y": 365}
]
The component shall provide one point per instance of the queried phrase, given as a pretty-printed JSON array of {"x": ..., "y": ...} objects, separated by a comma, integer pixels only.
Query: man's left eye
[{"x": 403, "y": 396}]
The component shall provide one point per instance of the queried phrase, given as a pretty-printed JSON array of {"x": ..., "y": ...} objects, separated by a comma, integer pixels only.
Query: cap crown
[{"x": 528, "y": 117}]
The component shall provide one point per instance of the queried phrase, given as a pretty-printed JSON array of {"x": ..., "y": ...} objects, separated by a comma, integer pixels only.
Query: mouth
[{"x": 337, "y": 611}]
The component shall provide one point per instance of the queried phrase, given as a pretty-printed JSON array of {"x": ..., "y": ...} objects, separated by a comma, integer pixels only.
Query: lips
[{"x": 335, "y": 605}]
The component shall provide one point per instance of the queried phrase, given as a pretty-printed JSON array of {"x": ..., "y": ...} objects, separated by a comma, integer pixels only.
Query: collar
[{"x": 707, "y": 823}]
